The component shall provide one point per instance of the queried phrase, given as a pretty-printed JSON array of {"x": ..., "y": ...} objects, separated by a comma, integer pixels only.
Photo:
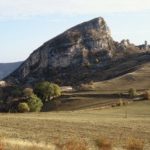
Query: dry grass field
[{"x": 48, "y": 129}]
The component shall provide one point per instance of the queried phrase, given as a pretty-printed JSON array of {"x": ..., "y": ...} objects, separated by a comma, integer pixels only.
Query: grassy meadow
[{"x": 46, "y": 130}]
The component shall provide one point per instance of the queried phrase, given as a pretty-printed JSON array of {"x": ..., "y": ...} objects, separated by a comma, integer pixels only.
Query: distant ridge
[{"x": 7, "y": 68}]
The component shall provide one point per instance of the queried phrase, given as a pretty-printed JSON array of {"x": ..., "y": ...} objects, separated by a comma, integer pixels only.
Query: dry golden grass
[
  {"x": 1, "y": 145},
  {"x": 10, "y": 144},
  {"x": 86, "y": 87},
  {"x": 147, "y": 95},
  {"x": 134, "y": 144},
  {"x": 104, "y": 143},
  {"x": 138, "y": 79},
  {"x": 72, "y": 145},
  {"x": 87, "y": 124}
]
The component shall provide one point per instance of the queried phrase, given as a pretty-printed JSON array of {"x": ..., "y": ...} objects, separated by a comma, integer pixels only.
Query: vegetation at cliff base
[
  {"x": 47, "y": 91},
  {"x": 28, "y": 99}
]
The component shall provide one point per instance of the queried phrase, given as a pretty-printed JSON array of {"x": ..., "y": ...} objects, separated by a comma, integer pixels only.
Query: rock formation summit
[{"x": 82, "y": 53}]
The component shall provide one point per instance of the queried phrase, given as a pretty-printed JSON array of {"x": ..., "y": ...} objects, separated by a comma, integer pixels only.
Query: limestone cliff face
[{"x": 76, "y": 51}]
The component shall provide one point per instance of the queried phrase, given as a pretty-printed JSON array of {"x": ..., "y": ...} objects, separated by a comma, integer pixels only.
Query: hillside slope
[{"x": 139, "y": 79}]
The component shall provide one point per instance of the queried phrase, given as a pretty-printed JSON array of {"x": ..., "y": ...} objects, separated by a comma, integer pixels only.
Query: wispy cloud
[{"x": 10, "y": 9}]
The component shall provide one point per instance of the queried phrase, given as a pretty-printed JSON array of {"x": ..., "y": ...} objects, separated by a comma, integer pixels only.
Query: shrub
[
  {"x": 132, "y": 93},
  {"x": 125, "y": 102},
  {"x": 23, "y": 107},
  {"x": 113, "y": 105},
  {"x": 72, "y": 145},
  {"x": 120, "y": 102},
  {"x": 147, "y": 95},
  {"x": 104, "y": 143},
  {"x": 1, "y": 146},
  {"x": 35, "y": 103},
  {"x": 28, "y": 92},
  {"x": 134, "y": 144}
]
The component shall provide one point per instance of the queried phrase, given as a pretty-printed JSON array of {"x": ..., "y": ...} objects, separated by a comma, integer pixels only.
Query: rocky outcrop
[
  {"x": 144, "y": 46},
  {"x": 72, "y": 56}
]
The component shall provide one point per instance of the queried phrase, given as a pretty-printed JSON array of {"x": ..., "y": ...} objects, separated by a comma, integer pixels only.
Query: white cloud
[{"x": 10, "y": 9}]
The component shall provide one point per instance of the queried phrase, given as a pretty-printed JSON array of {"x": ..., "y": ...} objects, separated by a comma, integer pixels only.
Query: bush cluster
[
  {"x": 23, "y": 107},
  {"x": 32, "y": 104},
  {"x": 19, "y": 99},
  {"x": 35, "y": 98},
  {"x": 35, "y": 104}
]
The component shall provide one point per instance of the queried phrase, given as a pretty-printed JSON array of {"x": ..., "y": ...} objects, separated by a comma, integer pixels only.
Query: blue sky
[{"x": 27, "y": 24}]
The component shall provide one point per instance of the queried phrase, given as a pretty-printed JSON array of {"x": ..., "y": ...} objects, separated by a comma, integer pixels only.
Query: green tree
[
  {"x": 56, "y": 90},
  {"x": 35, "y": 104},
  {"x": 46, "y": 90},
  {"x": 23, "y": 107}
]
